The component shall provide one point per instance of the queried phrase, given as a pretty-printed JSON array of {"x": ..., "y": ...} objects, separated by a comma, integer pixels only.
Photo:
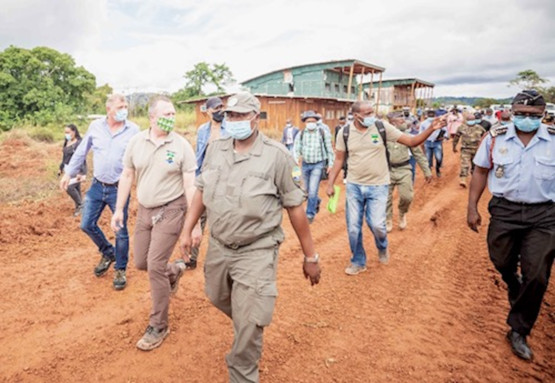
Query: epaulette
[
  {"x": 551, "y": 129},
  {"x": 494, "y": 132}
]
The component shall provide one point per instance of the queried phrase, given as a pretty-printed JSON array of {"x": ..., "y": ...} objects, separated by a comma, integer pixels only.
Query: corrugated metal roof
[{"x": 340, "y": 65}]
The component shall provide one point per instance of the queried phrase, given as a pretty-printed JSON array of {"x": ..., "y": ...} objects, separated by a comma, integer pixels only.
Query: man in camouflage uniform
[
  {"x": 470, "y": 134},
  {"x": 401, "y": 173}
]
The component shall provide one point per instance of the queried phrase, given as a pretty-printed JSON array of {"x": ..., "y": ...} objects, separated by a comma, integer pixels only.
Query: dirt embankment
[{"x": 435, "y": 313}]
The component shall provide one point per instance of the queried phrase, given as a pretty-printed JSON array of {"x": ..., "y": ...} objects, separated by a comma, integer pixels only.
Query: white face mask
[{"x": 311, "y": 125}]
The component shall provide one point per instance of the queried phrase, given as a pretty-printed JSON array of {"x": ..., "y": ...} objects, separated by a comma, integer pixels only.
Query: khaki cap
[{"x": 243, "y": 102}]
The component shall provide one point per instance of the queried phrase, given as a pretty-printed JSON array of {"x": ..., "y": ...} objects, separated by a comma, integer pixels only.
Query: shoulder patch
[
  {"x": 296, "y": 175},
  {"x": 494, "y": 132},
  {"x": 551, "y": 129}
]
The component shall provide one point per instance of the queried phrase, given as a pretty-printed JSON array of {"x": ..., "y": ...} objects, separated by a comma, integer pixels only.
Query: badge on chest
[{"x": 500, "y": 171}]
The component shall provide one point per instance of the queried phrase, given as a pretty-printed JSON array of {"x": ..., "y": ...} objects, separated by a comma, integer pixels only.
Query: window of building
[
  {"x": 328, "y": 87},
  {"x": 336, "y": 88},
  {"x": 264, "y": 115},
  {"x": 345, "y": 88}
]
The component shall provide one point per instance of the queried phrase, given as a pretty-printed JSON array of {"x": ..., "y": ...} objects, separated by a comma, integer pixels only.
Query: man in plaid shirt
[{"x": 313, "y": 144}]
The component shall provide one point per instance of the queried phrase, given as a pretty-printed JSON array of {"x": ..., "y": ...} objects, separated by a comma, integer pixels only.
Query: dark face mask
[
  {"x": 406, "y": 114},
  {"x": 218, "y": 116}
]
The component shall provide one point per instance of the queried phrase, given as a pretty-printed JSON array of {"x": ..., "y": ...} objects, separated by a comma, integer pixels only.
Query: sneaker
[
  {"x": 180, "y": 263},
  {"x": 310, "y": 219},
  {"x": 402, "y": 221},
  {"x": 354, "y": 269},
  {"x": 103, "y": 266},
  {"x": 383, "y": 256},
  {"x": 120, "y": 280},
  {"x": 152, "y": 338},
  {"x": 78, "y": 210},
  {"x": 462, "y": 182},
  {"x": 389, "y": 225},
  {"x": 191, "y": 265}
]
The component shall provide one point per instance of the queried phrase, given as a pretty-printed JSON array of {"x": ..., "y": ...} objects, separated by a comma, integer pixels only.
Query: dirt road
[{"x": 435, "y": 313}]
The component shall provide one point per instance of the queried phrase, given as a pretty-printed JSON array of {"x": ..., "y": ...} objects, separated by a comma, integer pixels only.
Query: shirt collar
[
  {"x": 257, "y": 146},
  {"x": 541, "y": 132},
  {"x": 169, "y": 137}
]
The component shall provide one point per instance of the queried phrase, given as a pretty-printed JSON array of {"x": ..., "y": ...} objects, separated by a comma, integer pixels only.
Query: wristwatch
[{"x": 313, "y": 259}]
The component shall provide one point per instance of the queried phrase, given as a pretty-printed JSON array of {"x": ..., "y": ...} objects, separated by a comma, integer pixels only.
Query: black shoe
[
  {"x": 191, "y": 265},
  {"x": 102, "y": 266},
  {"x": 120, "y": 280},
  {"x": 519, "y": 345}
]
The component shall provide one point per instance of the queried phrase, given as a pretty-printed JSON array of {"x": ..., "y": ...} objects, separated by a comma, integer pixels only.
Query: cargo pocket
[{"x": 264, "y": 301}]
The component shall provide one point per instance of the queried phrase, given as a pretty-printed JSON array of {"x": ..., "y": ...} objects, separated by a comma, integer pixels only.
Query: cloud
[{"x": 467, "y": 46}]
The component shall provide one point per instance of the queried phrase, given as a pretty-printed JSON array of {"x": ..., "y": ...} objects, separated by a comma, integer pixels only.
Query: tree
[
  {"x": 97, "y": 100},
  {"x": 548, "y": 94},
  {"x": 39, "y": 84},
  {"x": 527, "y": 79},
  {"x": 204, "y": 76},
  {"x": 483, "y": 103}
]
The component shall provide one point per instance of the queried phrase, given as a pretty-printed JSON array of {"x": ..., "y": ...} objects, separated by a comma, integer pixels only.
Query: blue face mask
[
  {"x": 68, "y": 136},
  {"x": 369, "y": 121},
  {"x": 526, "y": 124},
  {"x": 239, "y": 130},
  {"x": 311, "y": 125},
  {"x": 471, "y": 122},
  {"x": 121, "y": 115}
]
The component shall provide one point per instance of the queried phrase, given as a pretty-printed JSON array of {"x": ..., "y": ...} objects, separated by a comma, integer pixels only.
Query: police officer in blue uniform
[{"x": 517, "y": 161}]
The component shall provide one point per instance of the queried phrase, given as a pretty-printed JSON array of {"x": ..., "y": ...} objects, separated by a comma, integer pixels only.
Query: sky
[{"x": 467, "y": 48}]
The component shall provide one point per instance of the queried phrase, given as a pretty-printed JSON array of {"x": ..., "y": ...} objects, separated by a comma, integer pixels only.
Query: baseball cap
[
  {"x": 213, "y": 102},
  {"x": 243, "y": 102}
]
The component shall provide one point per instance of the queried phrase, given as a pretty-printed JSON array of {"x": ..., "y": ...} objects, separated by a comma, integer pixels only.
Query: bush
[{"x": 42, "y": 135}]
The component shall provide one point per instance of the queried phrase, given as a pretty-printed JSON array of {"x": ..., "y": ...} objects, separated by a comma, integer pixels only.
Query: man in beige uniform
[
  {"x": 246, "y": 181},
  {"x": 400, "y": 173},
  {"x": 368, "y": 177},
  {"x": 164, "y": 164}
]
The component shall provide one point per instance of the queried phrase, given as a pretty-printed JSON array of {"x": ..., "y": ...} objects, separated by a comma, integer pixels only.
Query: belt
[
  {"x": 407, "y": 162},
  {"x": 106, "y": 184},
  {"x": 545, "y": 203},
  {"x": 232, "y": 246}
]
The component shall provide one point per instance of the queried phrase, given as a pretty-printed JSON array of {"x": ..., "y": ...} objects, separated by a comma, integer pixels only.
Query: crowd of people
[{"x": 237, "y": 182}]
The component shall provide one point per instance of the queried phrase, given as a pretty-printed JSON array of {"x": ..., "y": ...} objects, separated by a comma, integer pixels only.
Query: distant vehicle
[{"x": 550, "y": 109}]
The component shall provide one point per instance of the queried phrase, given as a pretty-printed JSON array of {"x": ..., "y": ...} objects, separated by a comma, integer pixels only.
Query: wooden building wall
[{"x": 277, "y": 110}]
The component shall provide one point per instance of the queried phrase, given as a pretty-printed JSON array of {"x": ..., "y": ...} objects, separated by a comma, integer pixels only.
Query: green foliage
[
  {"x": 527, "y": 79},
  {"x": 96, "y": 100},
  {"x": 204, "y": 75},
  {"x": 485, "y": 103},
  {"x": 41, "y": 85},
  {"x": 548, "y": 93}
]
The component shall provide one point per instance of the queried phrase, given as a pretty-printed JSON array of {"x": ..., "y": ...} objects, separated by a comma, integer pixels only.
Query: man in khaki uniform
[
  {"x": 164, "y": 165},
  {"x": 470, "y": 134},
  {"x": 400, "y": 173},
  {"x": 368, "y": 179},
  {"x": 246, "y": 181}
]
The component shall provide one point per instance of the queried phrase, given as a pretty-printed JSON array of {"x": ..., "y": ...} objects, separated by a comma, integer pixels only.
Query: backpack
[{"x": 381, "y": 131}]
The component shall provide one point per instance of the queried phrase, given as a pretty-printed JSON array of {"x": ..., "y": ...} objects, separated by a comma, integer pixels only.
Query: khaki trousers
[
  {"x": 156, "y": 233},
  {"x": 402, "y": 178},
  {"x": 242, "y": 284}
]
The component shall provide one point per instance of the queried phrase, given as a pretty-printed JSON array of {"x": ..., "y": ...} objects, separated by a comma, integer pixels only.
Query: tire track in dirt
[{"x": 434, "y": 314}]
